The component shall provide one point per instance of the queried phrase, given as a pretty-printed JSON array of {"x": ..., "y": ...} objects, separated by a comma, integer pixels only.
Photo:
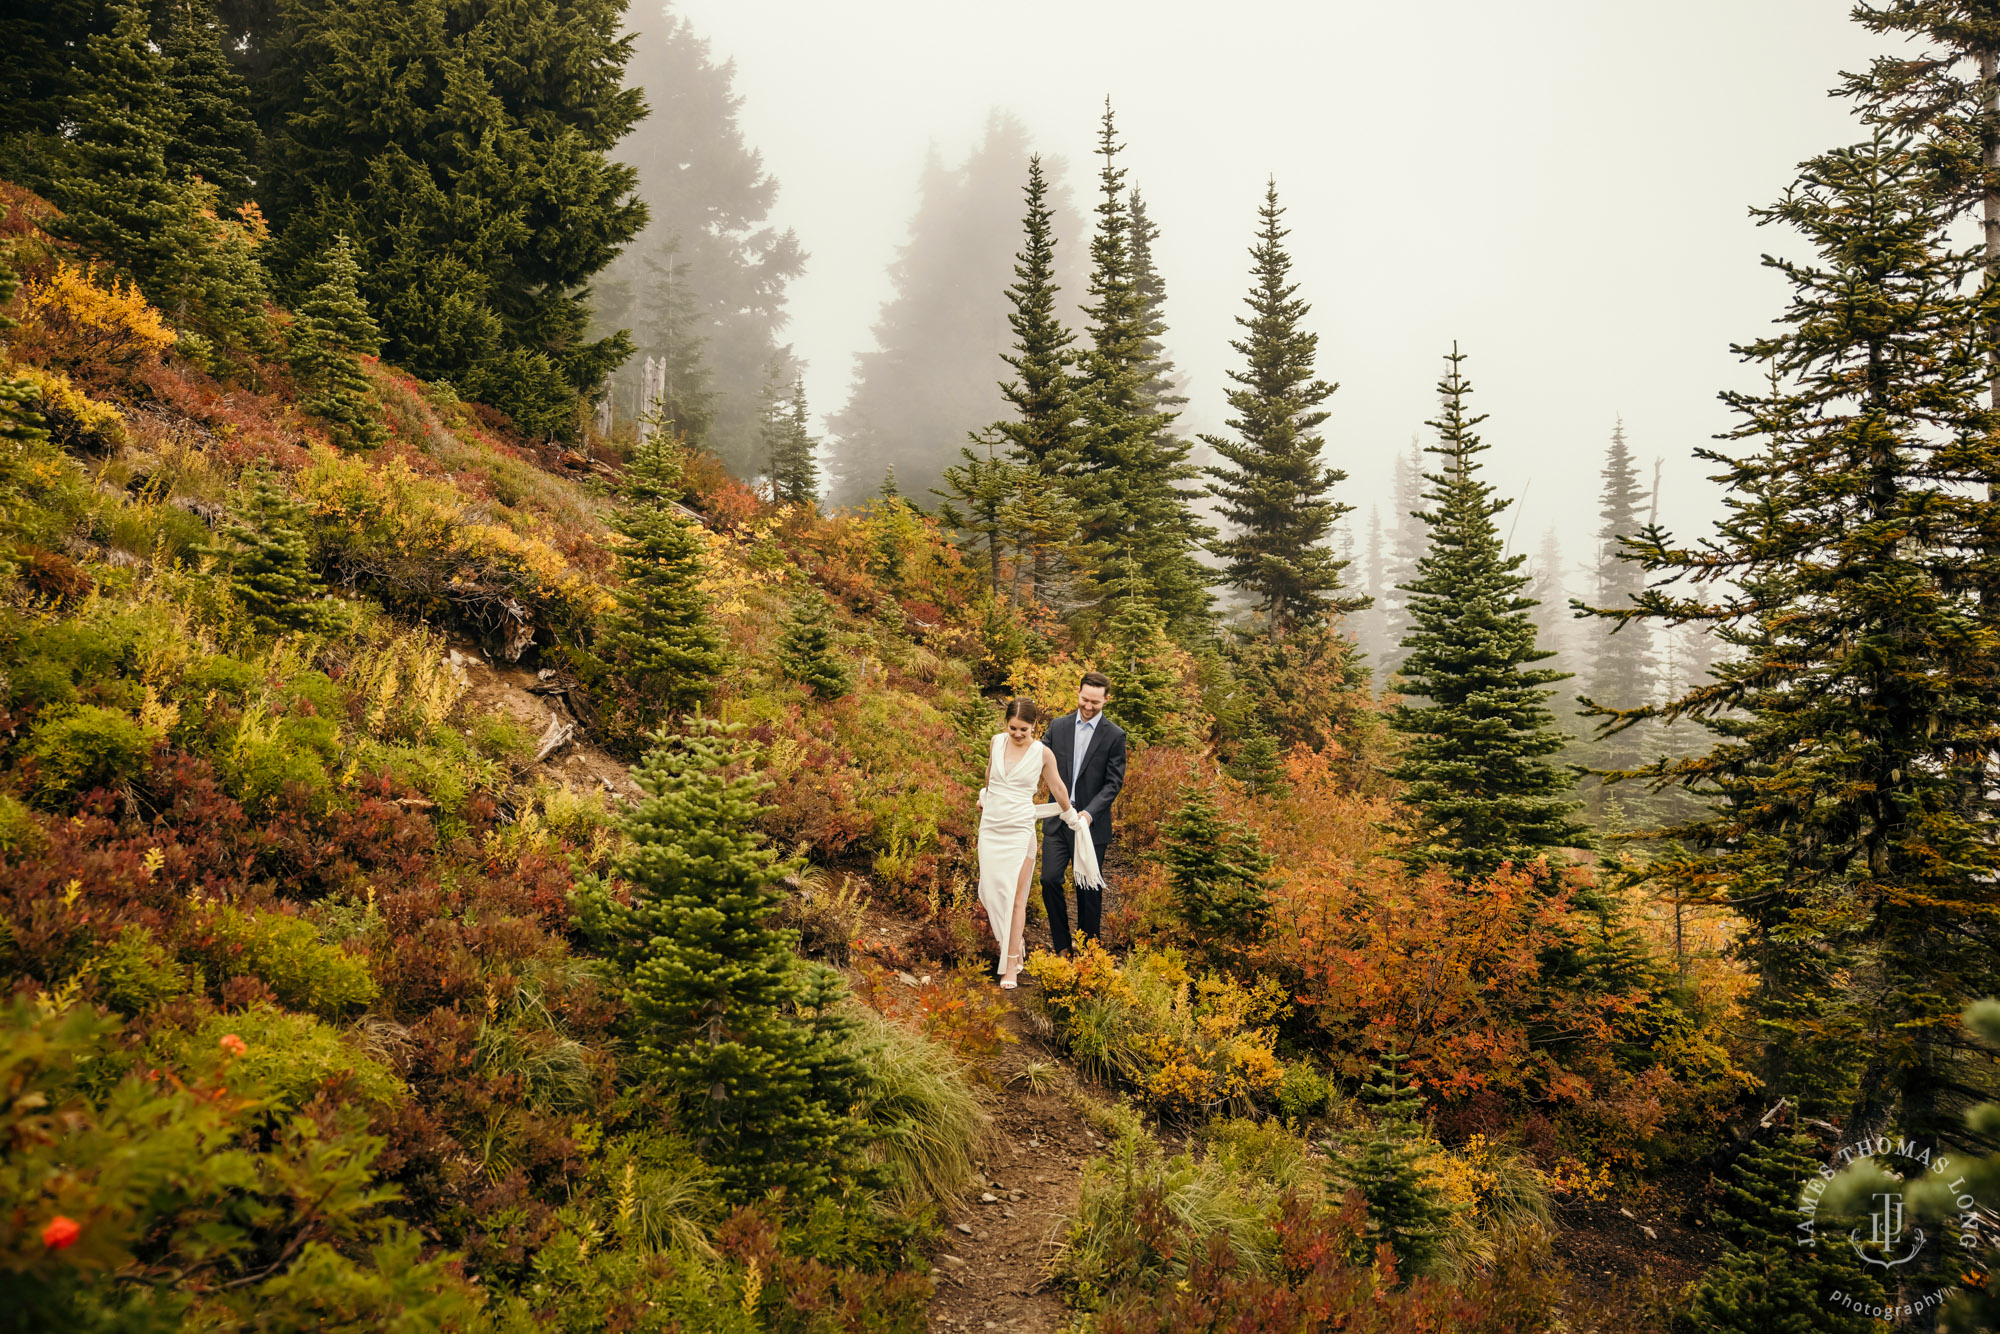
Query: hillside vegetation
[{"x": 336, "y": 1001}]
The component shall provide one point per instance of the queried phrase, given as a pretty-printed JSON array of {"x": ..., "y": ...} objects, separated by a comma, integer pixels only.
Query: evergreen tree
[
  {"x": 1476, "y": 766},
  {"x": 930, "y": 373},
  {"x": 710, "y": 977},
  {"x": 1403, "y": 1209},
  {"x": 1219, "y": 877},
  {"x": 44, "y": 81},
  {"x": 1274, "y": 490},
  {"x": 1408, "y": 539},
  {"x": 1138, "y": 516},
  {"x": 269, "y": 563},
  {"x": 1309, "y": 689},
  {"x": 216, "y": 135},
  {"x": 1255, "y": 763},
  {"x": 659, "y": 629},
  {"x": 975, "y": 500},
  {"x": 807, "y": 651},
  {"x": 793, "y": 471},
  {"x": 1851, "y": 767},
  {"x": 1161, "y": 391},
  {"x": 1138, "y": 659},
  {"x": 1621, "y": 664},
  {"x": 1042, "y": 431},
  {"x": 465, "y": 147},
  {"x": 667, "y": 324},
  {"x": 709, "y": 198},
  {"x": 1042, "y": 396},
  {"x": 120, "y": 200},
  {"x": 1765, "y": 1280},
  {"x": 332, "y": 327}
]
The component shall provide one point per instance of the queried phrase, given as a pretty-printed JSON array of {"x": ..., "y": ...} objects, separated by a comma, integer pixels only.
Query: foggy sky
[{"x": 1560, "y": 185}]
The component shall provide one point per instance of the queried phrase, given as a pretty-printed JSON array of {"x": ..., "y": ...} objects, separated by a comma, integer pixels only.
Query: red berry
[{"x": 61, "y": 1233}]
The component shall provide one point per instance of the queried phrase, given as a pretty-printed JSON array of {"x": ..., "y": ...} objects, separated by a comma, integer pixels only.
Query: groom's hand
[{"x": 1083, "y": 817}]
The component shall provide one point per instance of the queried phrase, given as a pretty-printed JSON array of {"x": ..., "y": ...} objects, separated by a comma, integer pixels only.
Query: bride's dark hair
[{"x": 1023, "y": 708}]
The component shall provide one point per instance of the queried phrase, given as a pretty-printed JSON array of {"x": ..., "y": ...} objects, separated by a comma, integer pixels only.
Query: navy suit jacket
[{"x": 1103, "y": 773}]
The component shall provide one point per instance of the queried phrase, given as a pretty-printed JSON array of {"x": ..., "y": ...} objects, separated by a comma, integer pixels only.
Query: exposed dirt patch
[
  {"x": 522, "y": 694},
  {"x": 993, "y": 1261},
  {"x": 1618, "y": 1255}
]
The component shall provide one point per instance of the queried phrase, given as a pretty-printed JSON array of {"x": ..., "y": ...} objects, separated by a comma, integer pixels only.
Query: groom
[{"x": 1090, "y": 755}]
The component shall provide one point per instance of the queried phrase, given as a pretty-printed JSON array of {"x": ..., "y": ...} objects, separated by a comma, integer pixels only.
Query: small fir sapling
[
  {"x": 268, "y": 561},
  {"x": 1218, "y": 874},
  {"x": 807, "y": 650},
  {"x": 719, "y": 1013},
  {"x": 1403, "y": 1210}
]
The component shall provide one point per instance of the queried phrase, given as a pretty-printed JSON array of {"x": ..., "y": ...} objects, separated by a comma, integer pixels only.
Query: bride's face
[{"x": 1019, "y": 730}]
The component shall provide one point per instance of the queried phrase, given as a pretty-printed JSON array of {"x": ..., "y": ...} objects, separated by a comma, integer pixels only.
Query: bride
[{"x": 1009, "y": 827}]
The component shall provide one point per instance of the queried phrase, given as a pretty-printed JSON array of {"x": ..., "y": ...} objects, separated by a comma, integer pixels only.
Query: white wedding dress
[{"x": 1009, "y": 824}]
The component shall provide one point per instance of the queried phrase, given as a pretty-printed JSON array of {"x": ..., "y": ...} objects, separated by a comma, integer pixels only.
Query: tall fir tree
[
  {"x": 110, "y": 177},
  {"x": 1274, "y": 490},
  {"x": 1042, "y": 432},
  {"x": 216, "y": 136},
  {"x": 466, "y": 149},
  {"x": 1131, "y": 480},
  {"x": 1621, "y": 671},
  {"x": 1408, "y": 539},
  {"x": 1476, "y": 766},
  {"x": 1851, "y": 773},
  {"x": 710, "y": 198},
  {"x": 331, "y": 328},
  {"x": 710, "y": 981},
  {"x": 667, "y": 325},
  {"x": 1161, "y": 391},
  {"x": 793, "y": 470}
]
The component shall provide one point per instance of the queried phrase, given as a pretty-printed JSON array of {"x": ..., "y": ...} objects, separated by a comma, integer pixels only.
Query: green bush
[
  {"x": 162, "y": 1180},
  {"x": 18, "y": 833},
  {"x": 287, "y": 1058},
  {"x": 66, "y": 661},
  {"x": 89, "y": 748},
  {"x": 136, "y": 972},
  {"x": 1303, "y": 1092},
  {"x": 286, "y": 954}
]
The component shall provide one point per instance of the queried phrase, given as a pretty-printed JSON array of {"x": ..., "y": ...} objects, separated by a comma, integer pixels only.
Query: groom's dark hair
[{"x": 1098, "y": 679}]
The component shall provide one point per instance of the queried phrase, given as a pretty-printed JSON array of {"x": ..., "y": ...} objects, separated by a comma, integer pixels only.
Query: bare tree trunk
[{"x": 1989, "y": 152}]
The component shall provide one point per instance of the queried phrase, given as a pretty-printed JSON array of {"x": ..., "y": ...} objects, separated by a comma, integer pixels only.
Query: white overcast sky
[{"x": 1559, "y": 185}]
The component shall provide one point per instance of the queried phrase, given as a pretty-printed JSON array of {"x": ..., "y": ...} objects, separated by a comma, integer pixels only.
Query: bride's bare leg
[{"x": 1014, "y": 950}]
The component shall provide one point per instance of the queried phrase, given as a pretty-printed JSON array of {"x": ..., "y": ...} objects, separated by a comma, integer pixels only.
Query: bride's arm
[{"x": 1053, "y": 778}]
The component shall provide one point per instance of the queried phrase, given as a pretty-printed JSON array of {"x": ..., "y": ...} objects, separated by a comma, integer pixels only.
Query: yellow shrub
[
  {"x": 72, "y": 321},
  {"x": 74, "y": 420},
  {"x": 1192, "y": 1046}
]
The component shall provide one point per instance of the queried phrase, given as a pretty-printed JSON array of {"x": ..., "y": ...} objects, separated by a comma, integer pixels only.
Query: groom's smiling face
[{"x": 1090, "y": 702}]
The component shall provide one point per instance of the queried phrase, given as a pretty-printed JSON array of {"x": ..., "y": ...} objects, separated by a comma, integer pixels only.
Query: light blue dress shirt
[{"x": 1084, "y": 732}]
